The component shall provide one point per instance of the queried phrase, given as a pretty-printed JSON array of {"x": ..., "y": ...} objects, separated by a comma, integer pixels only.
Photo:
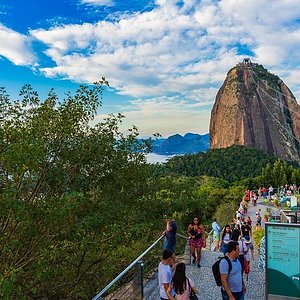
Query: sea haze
[{"x": 153, "y": 158}]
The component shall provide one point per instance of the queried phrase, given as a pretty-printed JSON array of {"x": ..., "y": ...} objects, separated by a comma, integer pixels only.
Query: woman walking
[
  {"x": 196, "y": 233},
  {"x": 181, "y": 284},
  {"x": 225, "y": 238}
]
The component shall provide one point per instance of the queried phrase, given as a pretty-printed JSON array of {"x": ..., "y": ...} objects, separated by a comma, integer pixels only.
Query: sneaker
[{"x": 193, "y": 261}]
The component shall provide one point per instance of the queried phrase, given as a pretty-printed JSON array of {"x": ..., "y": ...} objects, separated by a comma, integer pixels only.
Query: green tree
[
  {"x": 63, "y": 184},
  {"x": 277, "y": 174},
  {"x": 295, "y": 178},
  {"x": 266, "y": 175},
  {"x": 226, "y": 212}
]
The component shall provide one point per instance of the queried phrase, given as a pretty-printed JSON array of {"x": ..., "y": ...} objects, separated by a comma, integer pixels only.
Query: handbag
[{"x": 193, "y": 296}]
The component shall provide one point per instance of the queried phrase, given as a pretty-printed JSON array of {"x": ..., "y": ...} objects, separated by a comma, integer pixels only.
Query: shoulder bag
[{"x": 193, "y": 296}]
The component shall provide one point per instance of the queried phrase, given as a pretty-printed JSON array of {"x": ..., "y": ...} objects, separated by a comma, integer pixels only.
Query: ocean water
[{"x": 153, "y": 158}]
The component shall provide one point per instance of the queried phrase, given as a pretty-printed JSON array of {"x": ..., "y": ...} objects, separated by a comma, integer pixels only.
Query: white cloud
[
  {"x": 176, "y": 50},
  {"x": 172, "y": 49},
  {"x": 16, "y": 47},
  {"x": 166, "y": 115},
  {"x": 98, "y": 2}
]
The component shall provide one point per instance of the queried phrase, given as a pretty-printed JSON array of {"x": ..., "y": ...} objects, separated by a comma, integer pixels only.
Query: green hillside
[{"x": 232, "y": 164}]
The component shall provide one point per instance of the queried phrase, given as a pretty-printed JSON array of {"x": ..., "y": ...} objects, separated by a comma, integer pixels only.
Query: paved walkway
[
  {"x": 204, "y": 278},
  {"x": 205, "y": 282}
]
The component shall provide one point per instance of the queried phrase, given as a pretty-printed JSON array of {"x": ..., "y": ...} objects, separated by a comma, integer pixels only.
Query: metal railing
[{"x": 140, "y": 275}]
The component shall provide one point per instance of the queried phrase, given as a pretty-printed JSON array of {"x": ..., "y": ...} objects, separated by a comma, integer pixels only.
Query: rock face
[{"x": 256, "y": 109}]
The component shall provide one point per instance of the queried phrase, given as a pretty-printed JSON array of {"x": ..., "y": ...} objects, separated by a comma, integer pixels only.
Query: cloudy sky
[{"x": 164, "y": 59}]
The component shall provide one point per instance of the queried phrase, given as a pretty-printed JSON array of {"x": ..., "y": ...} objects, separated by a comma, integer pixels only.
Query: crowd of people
[{"x": 234, "y": 241}]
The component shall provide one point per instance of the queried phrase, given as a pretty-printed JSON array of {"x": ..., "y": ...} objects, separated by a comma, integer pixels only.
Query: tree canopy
[{"x": 63, "y": 185}]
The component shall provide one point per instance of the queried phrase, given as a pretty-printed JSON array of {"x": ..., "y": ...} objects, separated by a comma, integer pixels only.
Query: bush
[{"x": 257, "y": 236}]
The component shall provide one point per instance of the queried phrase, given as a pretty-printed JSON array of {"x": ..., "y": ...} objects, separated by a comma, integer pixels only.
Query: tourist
[
  {"x": 181, "y": 284},
  {"x": 271, "y": 191},
  {"x": 257, "y": 226},
  {"x": 165, "y": 274},
  {"x": 170, "y": 235},
  {"x": 249, "y": 221},
  {"x": 238, "y": 223},
  {"x": 246, "y": 229},
  {"x": 254, "y": 199},
  {"x": 250, "y": 251},
  {"x": 225, "y": 238},
  {"x": 264, "y": 193},
  {"x": 216, "y": 233},
  {"x": 258, "y": 218},
  {"x": 233, "y": 287},
  {"x": 197, "y": 240},
  {"x": 259, "y": 192},
  {"x": 236, "y": 236}
]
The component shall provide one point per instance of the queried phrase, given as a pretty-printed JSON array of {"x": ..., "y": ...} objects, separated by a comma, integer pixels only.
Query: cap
[{"x": 247, "y": 239}]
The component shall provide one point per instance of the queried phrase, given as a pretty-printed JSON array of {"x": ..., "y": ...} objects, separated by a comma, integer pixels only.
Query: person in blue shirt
[
  {"x": 170, "y": 235},
  {"x": 216, "y": 233},
  {"x": 233, "y": 287}
]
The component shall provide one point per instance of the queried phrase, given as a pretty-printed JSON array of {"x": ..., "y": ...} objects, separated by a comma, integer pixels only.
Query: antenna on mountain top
[{"x": 247, "y": 62}]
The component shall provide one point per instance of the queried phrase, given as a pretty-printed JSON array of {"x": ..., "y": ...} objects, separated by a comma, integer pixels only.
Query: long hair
[
  {"x": 192, "y": 221},
  {"x": 179, "y": 279},
  {"x": 235, "y": 234},
  {"x": 224, "y": 232}
]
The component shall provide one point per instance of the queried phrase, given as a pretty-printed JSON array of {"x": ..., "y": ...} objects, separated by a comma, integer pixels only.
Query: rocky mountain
[
  {"x": 256, "y": 109},
  {"x": 178, "y": 144}
]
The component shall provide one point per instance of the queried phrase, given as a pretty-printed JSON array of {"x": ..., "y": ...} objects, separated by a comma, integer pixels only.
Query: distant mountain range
[{"x": 178, "y": 144}]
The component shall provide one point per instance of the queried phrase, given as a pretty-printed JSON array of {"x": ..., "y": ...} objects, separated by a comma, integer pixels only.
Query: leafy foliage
[
  {"x": 63, "y": 184},
  {"x": 280, "y": 173},
  {"x": 231, "y": 164}
]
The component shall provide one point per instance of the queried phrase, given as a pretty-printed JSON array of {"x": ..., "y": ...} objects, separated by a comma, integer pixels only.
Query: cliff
[{"x": 256, "y": 109}]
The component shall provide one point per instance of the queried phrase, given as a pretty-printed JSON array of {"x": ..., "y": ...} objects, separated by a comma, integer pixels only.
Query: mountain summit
[{"x": 256, "y": 109}]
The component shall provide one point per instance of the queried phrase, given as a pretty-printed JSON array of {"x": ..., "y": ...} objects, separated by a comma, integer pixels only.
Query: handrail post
[
  {"x": 187, "y": 255},
  {"x": 138, "y": 284}
]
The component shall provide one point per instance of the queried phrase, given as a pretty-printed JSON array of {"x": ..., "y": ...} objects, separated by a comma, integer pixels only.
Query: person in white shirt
[
  {"x": 225, "y": 238},
  {"x": 165, "y": 274}
]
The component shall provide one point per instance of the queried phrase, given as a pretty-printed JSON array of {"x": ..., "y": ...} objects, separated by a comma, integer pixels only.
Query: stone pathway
[{"x": 204, "y": 280}]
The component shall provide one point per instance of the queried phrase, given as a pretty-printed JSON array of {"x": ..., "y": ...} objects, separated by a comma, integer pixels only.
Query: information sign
[{"x": 283, "y": 260}]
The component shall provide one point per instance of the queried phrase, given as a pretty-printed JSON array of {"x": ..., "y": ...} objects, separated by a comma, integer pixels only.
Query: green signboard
[{"x": 282, "y": 261}]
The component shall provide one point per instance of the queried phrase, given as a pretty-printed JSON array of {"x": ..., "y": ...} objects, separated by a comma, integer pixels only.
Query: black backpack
[{"x": 216, "y": 269}]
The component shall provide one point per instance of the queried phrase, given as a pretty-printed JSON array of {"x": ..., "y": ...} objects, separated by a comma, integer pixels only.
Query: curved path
[{"x": 205, "y": 282}]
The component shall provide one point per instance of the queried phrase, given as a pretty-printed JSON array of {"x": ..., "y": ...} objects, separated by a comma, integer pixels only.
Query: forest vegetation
[{"x": 78, "y": 203}]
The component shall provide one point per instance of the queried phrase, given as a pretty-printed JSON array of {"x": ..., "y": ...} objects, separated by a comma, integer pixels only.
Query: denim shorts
[{"x": 236, "y": 295}]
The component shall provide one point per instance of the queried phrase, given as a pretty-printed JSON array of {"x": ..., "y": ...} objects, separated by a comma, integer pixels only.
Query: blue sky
[{"x": 165, "y": 59}]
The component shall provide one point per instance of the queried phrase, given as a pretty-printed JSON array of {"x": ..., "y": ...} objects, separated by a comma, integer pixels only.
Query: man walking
[
  {"x": 216, "y": 233},
  {"x": 233, "y": 287},
  {"x": 170, "y": 235},
  {"x": 165, "y": 274}
]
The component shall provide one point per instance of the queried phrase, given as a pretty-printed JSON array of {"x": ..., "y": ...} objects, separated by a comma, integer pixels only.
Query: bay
[{"x": 153, "y": 158}]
